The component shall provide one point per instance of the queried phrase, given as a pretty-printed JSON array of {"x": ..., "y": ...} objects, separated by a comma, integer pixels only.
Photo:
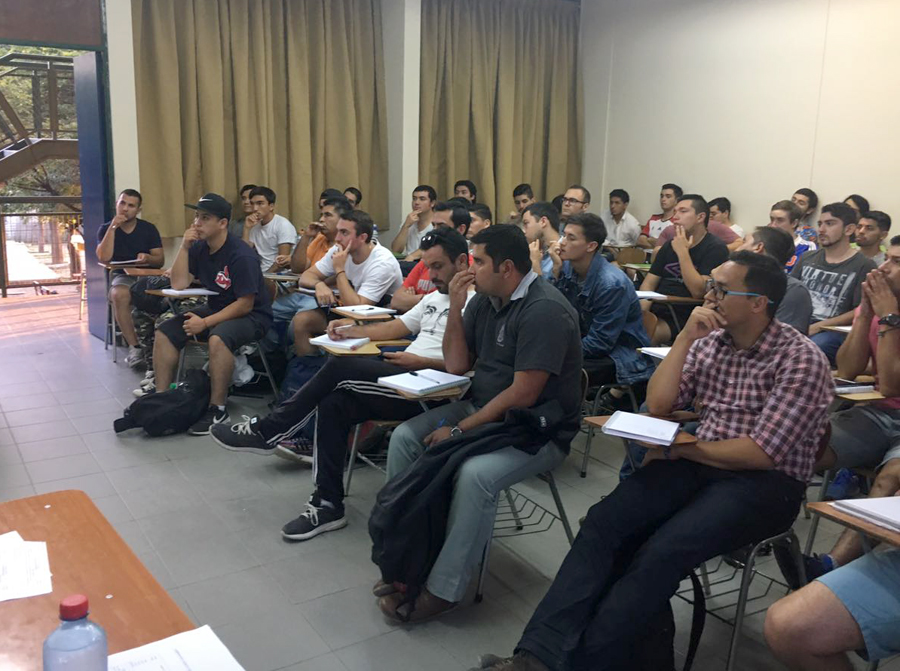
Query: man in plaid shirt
[{"x": 763, "y": 391}]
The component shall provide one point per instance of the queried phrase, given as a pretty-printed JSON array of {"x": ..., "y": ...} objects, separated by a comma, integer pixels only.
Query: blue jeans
[
  {"x": 829, "y": 342},
  {"x": 285, "y": 307},
  {"x": 475, "y": 488}
]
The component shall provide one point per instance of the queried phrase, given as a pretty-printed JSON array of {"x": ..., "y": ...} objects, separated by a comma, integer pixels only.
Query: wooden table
[
  {"x": 134, "y": 271},
  {"x": 88, "y": 557},
  {"x": 282, "y": 277},
  {"x": 879, "y": 533},
  {"x": 371, "y": 348},
  {"x": 862, "y": 397},
  {"x": 361, "y": 317}
]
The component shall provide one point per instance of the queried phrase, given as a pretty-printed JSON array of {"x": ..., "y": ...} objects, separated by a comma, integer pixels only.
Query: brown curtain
[
  {"x": 500, "y": 97},
  {"x": 284, "y": 93}
]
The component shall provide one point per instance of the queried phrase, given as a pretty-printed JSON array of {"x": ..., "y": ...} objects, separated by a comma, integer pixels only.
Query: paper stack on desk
[
  {"x": 641, "y": 427},
  {"x": 349, "y": 344},
  {"x": 650, "y": 294},
  {"x": 367, "y": 310},
  {"x": 882, "y": 510},
  {"x": 24, "y": 568},
  {"x": 188, "y": 292},
  {"x": 196, "y": 650}
]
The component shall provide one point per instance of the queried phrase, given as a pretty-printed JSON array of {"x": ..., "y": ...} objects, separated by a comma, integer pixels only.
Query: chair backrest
[
  {"x": 650, "y": 321},
  {"x": 631, "y": 255}
]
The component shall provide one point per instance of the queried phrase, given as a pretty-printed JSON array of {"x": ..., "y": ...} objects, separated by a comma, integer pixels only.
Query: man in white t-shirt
[
  {"x": 363, "y": 272},
  {"x": 270, "y": 234},
  {"x": 417, "y": 222},
  {"x": 346, "y": 390},
  {"x": 622, "y": 228}
]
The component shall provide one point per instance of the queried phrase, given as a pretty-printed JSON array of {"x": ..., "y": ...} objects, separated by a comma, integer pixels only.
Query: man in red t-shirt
[
  {"x": 418, "y": 282},
  {"x": 668, "y": 198}
]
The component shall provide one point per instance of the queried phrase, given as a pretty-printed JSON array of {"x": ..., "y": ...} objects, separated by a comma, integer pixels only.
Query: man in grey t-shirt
[
  {"x": 521, "y": 337},
  {"x": 795, "y": 308},
  {"x": 833, "y": 275}
]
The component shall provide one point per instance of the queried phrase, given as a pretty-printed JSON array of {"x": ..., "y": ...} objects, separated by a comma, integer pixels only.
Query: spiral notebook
[
  {"x": 641, "y": 427},
  {"x": 422, "y": 382}
]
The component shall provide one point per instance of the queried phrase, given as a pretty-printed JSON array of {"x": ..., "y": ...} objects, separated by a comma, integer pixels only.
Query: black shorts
[
  {"x": 235, "y": 333},
  {"x": 664, "y": 313}
]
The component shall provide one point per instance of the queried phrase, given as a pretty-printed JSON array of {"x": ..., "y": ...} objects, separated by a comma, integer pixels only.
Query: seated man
[
  {"x": 517, "y": 364},
  {"x": 576, "y": 199},
  {"x": 417, "y": 222},
  {"x": 313, "y": 244},
  {"x": 127, "y": 238},
  {"x": 523, "y": 196},
  {"x": 610, "y": 316},
  {"x": 787, "y": 216},
  {"x": 482, "y": 217},
  {"x": 796, "y": 308},
  {"x": 764, "y": 391},
  {"x": 723, "y": 232},
  {"x": 720, "y": 210},
  {"x": 418, "y": 282},
  {"x": 540, "y": 221},
  {"x": 346, "y": 393},
  {"x": 270, "y": 234},
  {"x": 867, "y": 435},
  {"x": 465, "y": 189},
  {"x": 238, "y": 314},
  {"x": 668, "y": 197},
  {"x": 236, "y": 226},
  {"x": 807, "y": 200},
  {"x": 873, "y": 229},
  {"x": 833, "y": 275},
  {"x": 682, "y": 266},
  {"x": 353, "y": 196},
  {"x": 365, "y": 273},
  {"x": 622, "y": 229},
  {"x": 855, "y": 607}
]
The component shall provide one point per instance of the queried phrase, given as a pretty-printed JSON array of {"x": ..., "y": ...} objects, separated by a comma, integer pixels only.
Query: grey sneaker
[
  {"x": 317, "y": 519},
  {"x": 241, "y": 437},
  {"x": 135, "y": 357},
  {"x": 212, "y": 416}
]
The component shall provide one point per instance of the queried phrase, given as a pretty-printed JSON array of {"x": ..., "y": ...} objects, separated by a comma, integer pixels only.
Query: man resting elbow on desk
[
  {"x": 363, "y": 271},
  {"x": 346, "y": 392},
  {"x": 238, "y": 314},
  {"x": 683, "y": 265},
  {"x": 764, "y": 391}
]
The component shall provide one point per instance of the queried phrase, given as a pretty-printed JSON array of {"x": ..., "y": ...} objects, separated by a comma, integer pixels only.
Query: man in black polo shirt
[
  {"x": 127, "y": 238},
  {"x": 239, "y": 313},
  {"x": 518, "y": 363},
  {"x": 683, "y": 264}
]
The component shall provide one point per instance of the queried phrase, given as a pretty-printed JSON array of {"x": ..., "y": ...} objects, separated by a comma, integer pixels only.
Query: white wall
[
  {"x": 749, "y": 99},
  {"x": 122, "y": 96}
]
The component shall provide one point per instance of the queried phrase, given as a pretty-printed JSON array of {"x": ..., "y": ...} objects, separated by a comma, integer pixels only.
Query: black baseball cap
[{"x": 214, "y": 204}]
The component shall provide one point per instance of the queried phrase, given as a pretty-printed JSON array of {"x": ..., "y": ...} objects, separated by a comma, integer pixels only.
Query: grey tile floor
[{"x": 206, "y": 522}]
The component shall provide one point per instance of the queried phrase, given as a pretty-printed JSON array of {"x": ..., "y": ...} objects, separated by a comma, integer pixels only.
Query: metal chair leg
[
  {"x": 704, "y": 579},
  {"x": 590, "y": 436},
  {"x": 479, "y": 592},
  {"x": 512, "y": 507},
  {"x": 180, "y": 370},
  {"x": 814, "y": 525},
  {"x": 265, "y": 363},
  {"x": 559, "y": 507},
  {"x": 350, "y": 464}
]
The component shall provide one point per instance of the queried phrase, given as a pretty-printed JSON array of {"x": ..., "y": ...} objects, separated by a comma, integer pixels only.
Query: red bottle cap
[{"x": 73, "y": 607}]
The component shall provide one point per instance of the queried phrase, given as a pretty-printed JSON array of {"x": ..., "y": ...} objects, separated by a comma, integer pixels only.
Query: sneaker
[
  {"x": 298, "y": 450},
  {"x": 610, "y": 402},
  {"x": 521, "y": 661},
  {"x": 212, "y": 416},
  {"x": 135, "y": 357},
  {"x": 147, "y": 385},
  {"x": 844, "y": 486},
  {"x": 317, "y": 519},
  {"x": 814, "y": 566},
  {"x": 241, "y": 437}
]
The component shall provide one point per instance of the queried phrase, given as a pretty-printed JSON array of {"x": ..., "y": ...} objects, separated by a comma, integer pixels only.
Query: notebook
[
  {"x": 422, "y": 382},
  {"x": 656, "y": 352},
  {"x": 650, "y": 294},
  {"x": 369, "y": 310},
  {"x": 883, "y": 511},
  {"x": 640, "y": 427},
  {"x": 349, "y": 344},
  {"x": 189, "y": 292},
  {"x": 132, "y": 262}
]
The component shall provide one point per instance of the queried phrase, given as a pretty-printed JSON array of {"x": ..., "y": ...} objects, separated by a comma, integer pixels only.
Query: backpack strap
[{"x": 698, "y": 620}]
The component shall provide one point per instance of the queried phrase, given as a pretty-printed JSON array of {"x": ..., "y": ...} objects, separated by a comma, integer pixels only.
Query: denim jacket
[{"x": 610, "y": 317}]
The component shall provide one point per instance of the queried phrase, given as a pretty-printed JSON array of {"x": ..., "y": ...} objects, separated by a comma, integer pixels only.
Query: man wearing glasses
[
  {"x": 576, "y": 200},
  {"x": 763, "y": 390}
]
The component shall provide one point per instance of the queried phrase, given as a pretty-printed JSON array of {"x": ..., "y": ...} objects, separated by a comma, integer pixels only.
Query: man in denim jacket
[{"x": 611, "y": 319}]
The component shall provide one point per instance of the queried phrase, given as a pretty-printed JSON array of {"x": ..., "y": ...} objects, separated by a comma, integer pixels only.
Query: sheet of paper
[
  {"x": 346, "y": 343},
  {"x": 881, "y": 510},
  {"x": 132, "y": 262},
  {"x": 24, "y": 568},
  {"x": 650, "y": 294},
  {"x": 189, "y": 292},
  {"x": 197, "y": 650},
  {"x": 656, "y": 352},
  {"x": 367, "y": 310},
  {"x": 641, "y": 427},
  {"x": 842, "y": 329}
]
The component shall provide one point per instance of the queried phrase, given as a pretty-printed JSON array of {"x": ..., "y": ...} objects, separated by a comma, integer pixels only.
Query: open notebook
[
  {"x": 640, "y": 427},
  {"x": 883, "y": 511},
  {"x": 422, "y": 382},
  {"x": 346, "y": 343},
  {"x": 369, "y": 310},
  {"x": 189, "y": 292}
]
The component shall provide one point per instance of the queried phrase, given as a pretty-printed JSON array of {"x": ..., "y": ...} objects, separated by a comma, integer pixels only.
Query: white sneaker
[
  {"x": 147, "y": 385},
  {"x": 135, "y": 357}
]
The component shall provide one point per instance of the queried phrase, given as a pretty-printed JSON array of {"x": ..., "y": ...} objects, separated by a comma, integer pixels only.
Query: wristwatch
[
  {"x": 455, "y": 431},
  {"x": 892, "y": 320}
]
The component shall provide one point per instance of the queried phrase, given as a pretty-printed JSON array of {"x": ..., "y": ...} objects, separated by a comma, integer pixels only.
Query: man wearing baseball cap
[{"x": 239, "y": 313}]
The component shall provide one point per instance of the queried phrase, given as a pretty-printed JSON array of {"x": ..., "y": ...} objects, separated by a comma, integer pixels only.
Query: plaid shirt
[{"x": 777, "y": 393}]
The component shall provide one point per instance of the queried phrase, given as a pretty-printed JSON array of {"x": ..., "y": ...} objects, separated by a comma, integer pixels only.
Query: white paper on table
[
  {"x": 196, "y": 650},
  {"x": 24, "y": 568},
  {"x": 656, "y": 352},
  {"x": 188, "y": 292},
  {"x": 650, "y": 294}
]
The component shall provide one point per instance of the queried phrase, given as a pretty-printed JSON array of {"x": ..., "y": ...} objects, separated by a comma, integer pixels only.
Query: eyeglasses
[
  {"x": 571, "y": 201},
  {"x": 720, "y": 293}
]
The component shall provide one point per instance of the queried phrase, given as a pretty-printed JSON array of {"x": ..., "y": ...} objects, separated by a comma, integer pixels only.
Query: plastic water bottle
[{"x": 77, "y": 644}]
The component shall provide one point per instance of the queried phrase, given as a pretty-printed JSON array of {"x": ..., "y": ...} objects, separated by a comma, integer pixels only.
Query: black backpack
[{"x": 170, "y": 411}]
